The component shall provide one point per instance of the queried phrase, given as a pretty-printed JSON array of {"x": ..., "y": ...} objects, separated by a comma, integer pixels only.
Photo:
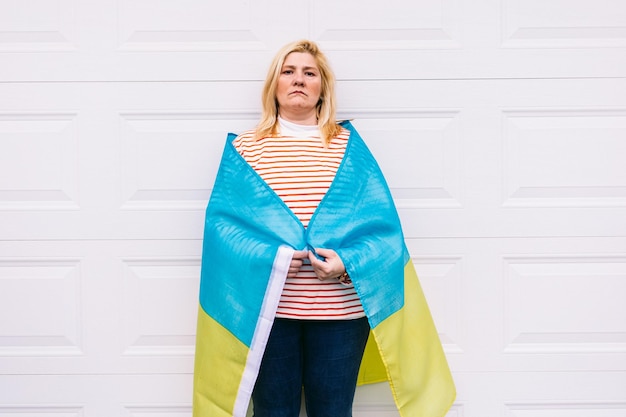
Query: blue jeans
[{"x": 321, "y": 357}]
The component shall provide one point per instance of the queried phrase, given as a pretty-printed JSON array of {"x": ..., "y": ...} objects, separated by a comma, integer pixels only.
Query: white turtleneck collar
[{"x": 294, "y": 129}]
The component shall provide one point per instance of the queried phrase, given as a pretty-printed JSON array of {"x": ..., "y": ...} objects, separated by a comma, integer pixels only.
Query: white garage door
[{"x": 501, "y": 126}]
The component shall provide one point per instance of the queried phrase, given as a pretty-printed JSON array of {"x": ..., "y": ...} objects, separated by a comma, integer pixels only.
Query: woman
[{"x": 296, "y": 268}]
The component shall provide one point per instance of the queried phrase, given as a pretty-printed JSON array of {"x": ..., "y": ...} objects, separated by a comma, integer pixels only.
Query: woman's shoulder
[
  {"x": 244, "y": 138},
  {"x": 343, "y": 134}
]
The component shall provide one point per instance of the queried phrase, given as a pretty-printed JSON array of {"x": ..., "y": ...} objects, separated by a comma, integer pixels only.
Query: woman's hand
[
  {"x": 331, "y": 267},
  {"x": 296, "y": 262}
]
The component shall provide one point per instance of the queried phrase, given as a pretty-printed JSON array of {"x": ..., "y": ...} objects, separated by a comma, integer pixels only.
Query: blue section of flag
[
  {"x": 357, "y": 218},
  {"x": 246, "y": 222}
]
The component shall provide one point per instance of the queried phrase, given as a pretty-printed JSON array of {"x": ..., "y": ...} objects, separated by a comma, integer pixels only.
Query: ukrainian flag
[{"x": 249, "y": 239}]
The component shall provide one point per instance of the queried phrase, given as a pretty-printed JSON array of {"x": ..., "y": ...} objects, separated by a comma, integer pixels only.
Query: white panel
[
  {"x": 565, "y": 158},
  {"x": 565, "y": 304},
  {"x": 93, "y": 394},
  {"x": 376, "y": 400},
  {"x": 159, "y": 411},
  {"x": 38, "y": 162},
  {"x": 372, "y": 411},
  {"x": 234, "y": 40},
  {"x": 41, "y": 411},
  {"x": 40, "y": 310},
  {"x": 457, "y": 410},
  {"x": 37, "y": 25},
  {"x": 389, "y": 410},
  {"x": 440, "y": 278},
  {"x": 419, "y": 152},
  {"x": 187, "y": 25},
  {"x": 567, "y": 409},
  {"x": 392, "y": 24},
  {"x": 564, "y": 23},
  {"x": 543, "y": 394},
  {"x": 160, "y": 307},
  {"x": 168, "y": 158}
]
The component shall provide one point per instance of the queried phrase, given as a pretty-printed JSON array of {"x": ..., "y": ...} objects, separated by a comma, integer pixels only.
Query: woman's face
[{"x": 299, "y": 88}]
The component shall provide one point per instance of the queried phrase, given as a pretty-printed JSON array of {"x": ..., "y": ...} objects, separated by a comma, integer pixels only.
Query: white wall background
[{"x": 501, "y": 126}]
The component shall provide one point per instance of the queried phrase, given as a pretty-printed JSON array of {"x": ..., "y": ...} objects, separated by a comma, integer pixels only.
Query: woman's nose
[{"x": 298, "y": 78}]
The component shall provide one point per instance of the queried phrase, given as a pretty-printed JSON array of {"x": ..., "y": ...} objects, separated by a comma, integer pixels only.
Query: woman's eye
[{"x": 287, "y": 72}]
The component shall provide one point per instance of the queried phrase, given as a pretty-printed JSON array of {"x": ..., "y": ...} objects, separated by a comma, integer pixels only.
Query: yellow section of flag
[
  {"x": 410, "y": 352},
  {"x": 218, "y": 352}
]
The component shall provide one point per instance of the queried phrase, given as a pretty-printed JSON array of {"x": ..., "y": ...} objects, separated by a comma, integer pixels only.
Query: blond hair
[{"x": 326, "y": 106}]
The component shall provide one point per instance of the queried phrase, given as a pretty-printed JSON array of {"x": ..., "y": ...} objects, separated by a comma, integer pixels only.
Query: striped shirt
[{"x": 299, "y": 169}]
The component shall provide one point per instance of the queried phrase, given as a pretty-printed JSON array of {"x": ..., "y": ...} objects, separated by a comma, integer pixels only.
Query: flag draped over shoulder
[{"x": 249, "y": 239}]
